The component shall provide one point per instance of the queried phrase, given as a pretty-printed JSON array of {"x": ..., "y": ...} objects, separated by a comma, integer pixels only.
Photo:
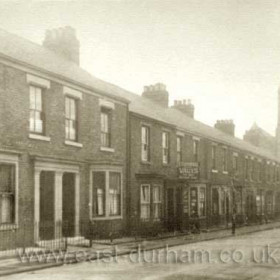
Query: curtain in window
[
  {"x": 6, "y": 193},
  {"x": 145, "y": 202},
  {"x": 114, "y": 193},
  {"x": 99, "y": 193},
  {"x": 157, "y": 201}
]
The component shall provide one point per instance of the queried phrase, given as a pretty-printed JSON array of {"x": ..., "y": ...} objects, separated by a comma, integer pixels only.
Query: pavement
[{"x": 33, "y": 260}]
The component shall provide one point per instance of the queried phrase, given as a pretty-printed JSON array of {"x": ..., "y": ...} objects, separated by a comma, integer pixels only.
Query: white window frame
[
  {"x": 107, "y": 170},
  {"x": 12, "y": 160}
]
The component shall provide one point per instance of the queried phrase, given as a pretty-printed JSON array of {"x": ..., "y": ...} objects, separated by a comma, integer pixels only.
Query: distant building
[{"x": 260, "y": 138}]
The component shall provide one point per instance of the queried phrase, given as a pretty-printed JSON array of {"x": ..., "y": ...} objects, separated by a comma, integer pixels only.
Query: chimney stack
[
  {"x": 226, "y": 126},
  {"x": 157, "y": 93},
  {"x": 64, "y": 42},
  {"x": 185, "y": 107}
]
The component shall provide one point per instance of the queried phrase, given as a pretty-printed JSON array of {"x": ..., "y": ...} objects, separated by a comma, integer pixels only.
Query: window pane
[
  {"x": 145, "y": 193},
  {"x": 99, "y": 193},
  {"x": 32, "y": 98},
  {"x": 67, "y": 107},
  {"x": 193, "y": 201},
  {"x": 114, "y": 193},
  {"x": 38, "y": 99},
  {"x": 7, "y": 193},
  {"x": 73, "y": 109},
  {"x": 6, "y": 178},
  {"x": 156, "y": 194}
]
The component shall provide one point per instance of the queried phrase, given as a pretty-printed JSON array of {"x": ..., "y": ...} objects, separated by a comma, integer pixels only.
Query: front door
[
  {"x": 68, "y": 204},
  {"x": 46, "y": 224}
]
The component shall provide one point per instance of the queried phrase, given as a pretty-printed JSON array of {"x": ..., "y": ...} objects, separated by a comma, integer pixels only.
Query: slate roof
[{"x": 21, "y": 50}]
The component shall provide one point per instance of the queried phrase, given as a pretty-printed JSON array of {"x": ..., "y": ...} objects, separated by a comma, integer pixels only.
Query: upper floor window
[
  {"x": 145, "y": 143},
  {"x": 36, "y": 117},
  {"x": 105, "y": 127},
  {"x": 71, "y": 120},
  {"x": 214, "y": 157},
  {"x": 165, "y": 147},
  {"x": 7, "y": 193},
  {"x": 179, "y": 149},
  {"x": 224, "y": 159},
  {"x": 195, "y": 149}
]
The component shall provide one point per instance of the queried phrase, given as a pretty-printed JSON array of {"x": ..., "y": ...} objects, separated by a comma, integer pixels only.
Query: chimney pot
[{"x": 64, "y": 42}]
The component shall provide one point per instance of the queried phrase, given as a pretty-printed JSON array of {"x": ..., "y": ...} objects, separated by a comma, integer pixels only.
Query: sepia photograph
[{"x": 140, "y": 139}]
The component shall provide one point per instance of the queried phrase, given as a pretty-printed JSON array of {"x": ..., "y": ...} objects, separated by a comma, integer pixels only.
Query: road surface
[{"x": 253, "y": 256}]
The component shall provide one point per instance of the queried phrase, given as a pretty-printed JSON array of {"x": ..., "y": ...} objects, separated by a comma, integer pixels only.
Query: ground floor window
[
  {"x": 197, "y": 200},
  {"x": 150, "y": 201},
  {"x": 269, "y": 203},
  {"x": 7, "y": 194},
  {"x": 106, "y": 193},
  {"x": 259, "y": 202}
]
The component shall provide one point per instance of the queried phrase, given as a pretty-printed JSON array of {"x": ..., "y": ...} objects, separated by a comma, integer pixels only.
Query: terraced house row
[{"x": 78, "y": 153}]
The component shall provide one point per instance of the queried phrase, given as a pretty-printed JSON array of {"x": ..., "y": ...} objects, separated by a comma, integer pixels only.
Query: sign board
[{"x": 189, "y": 170}]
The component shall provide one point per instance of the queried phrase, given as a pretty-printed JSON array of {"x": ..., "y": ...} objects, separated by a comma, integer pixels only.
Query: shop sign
[{"x": 188, "y": 170}]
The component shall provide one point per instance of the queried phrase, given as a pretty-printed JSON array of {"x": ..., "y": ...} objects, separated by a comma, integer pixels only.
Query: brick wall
[{"x": 14, "y": 131}]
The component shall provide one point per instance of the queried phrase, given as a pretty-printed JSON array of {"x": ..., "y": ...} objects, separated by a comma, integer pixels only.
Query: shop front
[{"x": 186, "y": 200}]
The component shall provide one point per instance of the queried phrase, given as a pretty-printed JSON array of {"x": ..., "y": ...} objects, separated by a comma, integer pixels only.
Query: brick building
[
  {"x": 182, "y": 170},
  {"x": 77, "y": 151},
  {"x": 63, "y": 145}
]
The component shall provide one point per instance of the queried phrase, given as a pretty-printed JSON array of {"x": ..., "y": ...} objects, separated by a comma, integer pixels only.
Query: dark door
[
  {"x": 46, "y": 225},
  {"x": 68, "y": 204}
]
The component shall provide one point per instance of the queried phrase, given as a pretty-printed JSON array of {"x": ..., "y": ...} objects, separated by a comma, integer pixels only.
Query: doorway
[
  {"x": 47, "y": 224},
  {"x": 68, "y": 204}
]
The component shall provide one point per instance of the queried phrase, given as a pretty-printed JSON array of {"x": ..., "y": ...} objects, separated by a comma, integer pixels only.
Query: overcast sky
[{"x": 224, "y": 55}]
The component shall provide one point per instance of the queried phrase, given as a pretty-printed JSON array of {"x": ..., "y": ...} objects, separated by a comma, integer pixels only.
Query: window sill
[
  {"x": 225, "y": 172},
  {"x": 4, "y": 227},
  {"x": 107, "y": 149},
  {"x": 74, "y": 144},
  {"x": 107, "y": 218},
  {"x": 214, "y": 171},
  {"x": 39, "y": 137}
]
